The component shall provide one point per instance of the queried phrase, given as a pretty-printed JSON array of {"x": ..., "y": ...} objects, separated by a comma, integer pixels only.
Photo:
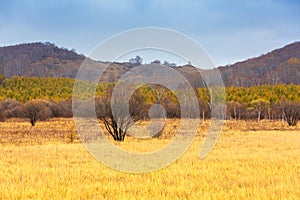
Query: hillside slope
[
  {"x": 281, "y": 66},
  {"x": 39, "y": 60},
  {"x": 48, "y": 60}
]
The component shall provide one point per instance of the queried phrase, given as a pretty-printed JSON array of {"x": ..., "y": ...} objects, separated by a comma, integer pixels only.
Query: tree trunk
[
  {"x": 234, "y": 110},
  {"x": 119, "y": 136},
  {"x": 32, "y": 122},
  {"x": 282, "y": 118},
  {"x": 258, "y": 115},
  {"x": 292, "y": 122}
]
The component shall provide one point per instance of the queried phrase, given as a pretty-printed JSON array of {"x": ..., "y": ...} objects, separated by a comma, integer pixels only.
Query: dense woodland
[{"x": 52, "y": 97}]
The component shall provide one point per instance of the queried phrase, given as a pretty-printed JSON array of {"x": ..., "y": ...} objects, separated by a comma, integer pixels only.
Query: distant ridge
[
  {"x": 280, "y": 66},
  {"x": 47, "y": 60},
  {"x": 39, "y": 60}
]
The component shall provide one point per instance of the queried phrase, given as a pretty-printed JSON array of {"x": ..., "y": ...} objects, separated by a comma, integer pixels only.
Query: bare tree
[
  {"x": 291, "y": 112},
  {"x": 36, "y": 110},
  {"x": 118, "y": 120},
  {"x": 136, "y": 61},
  {"x": 260, "y": 105},
  {"x": 166, "y": 63},
  {"x": 56, "y": 109},
  {"x": 66, "y": 108},
  {"x": 205, "y": 109},
  {"x": 9, "y": 108},
  {"x": 235, "y": 110}
]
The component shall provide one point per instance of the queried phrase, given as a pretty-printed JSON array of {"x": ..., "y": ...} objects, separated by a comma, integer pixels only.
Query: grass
[{"x": 250, "y": 161}]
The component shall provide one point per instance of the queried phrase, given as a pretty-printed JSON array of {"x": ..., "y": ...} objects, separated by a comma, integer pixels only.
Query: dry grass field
[{"x": 251, "y": 161}]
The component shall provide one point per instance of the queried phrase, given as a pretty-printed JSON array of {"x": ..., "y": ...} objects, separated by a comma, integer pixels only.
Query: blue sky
[{"x": 229, "y": 30}]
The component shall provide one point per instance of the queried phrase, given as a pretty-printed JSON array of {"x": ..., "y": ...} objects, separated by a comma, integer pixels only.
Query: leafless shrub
[
  {"x": 36, "y": 110},
  {"x": 117, "y": 121},
  {"x": 291, "y": 112},
  {"x": 9, "y": 108}
]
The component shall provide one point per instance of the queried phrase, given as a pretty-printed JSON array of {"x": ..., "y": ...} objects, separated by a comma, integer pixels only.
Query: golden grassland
[{"x": 250, "y": 161}]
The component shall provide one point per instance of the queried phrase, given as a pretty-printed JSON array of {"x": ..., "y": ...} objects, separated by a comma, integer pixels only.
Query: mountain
[
  {"x": 281, "y": 66},
  {"x": 47, "y": 60},
  {"x": 40, "y": 60}
]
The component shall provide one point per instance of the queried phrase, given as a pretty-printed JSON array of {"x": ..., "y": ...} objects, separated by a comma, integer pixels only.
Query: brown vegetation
[
  {"x": 250, "y": 161},
  {"x": 280, "y": 66},
  {"x": 116, "y": 115}
]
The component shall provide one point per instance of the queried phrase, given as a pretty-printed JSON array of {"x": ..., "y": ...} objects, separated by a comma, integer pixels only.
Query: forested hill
[
  {"x": 39, "y": 60},
  {"x": 281, "y": 66}
]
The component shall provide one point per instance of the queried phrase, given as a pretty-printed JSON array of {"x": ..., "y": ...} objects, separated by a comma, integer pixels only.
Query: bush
[
  {"x": 10, "y": 108},
  {"x": 36, "y": 110}
]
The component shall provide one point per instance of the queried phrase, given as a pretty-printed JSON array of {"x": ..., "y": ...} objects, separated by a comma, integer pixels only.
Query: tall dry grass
[{"x": 256, "y": 163}]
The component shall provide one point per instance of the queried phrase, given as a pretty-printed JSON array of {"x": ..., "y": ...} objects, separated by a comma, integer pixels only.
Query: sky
[{"x": 229, "y": 31}]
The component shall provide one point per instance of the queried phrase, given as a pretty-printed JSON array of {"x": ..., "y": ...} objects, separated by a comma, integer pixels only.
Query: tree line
[
  {"x": 44, "y": 98},
  {"x": 35, "y": 110}
]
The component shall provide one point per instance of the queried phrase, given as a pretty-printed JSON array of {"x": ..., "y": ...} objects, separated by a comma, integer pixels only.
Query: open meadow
[{"x": 250, "y": 161}]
